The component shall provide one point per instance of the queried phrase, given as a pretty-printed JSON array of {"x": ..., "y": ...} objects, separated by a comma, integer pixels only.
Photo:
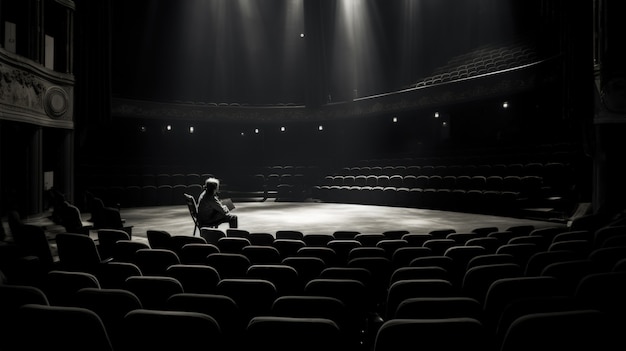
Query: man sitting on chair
[{"x": 211, "y": 211}]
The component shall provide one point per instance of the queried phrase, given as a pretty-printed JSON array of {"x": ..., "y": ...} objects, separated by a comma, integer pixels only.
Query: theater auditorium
[{"x": 406, "y": 175}]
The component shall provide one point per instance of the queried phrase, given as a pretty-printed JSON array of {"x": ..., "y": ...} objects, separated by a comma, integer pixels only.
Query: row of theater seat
[
  {"x": 481, "y": 61},
  {"x": 463, "y": 182},
  {"x": 499, "y": 169},
  {"x": 413, "y": 282}
]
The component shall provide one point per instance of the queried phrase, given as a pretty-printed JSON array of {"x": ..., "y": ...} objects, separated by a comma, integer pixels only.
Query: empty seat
[
  {"x": 408, "y": 273},
  {"x": 111, "y": 305},
  {"x": 220, "y": 307},
  {"x": 195, "y": 278},
  {"x": 258, "y": 254},
  {"x": 430, "y": 335},
  {"x": 61, "y": 286},
  {"x": 155, "y": 261},
  {"x": 439, "y": 307},
  {"x": 253, "y": 296},
  {"x": 285, "y": 278},
  {"x": 229, "y": 265},
  {"x": 404, "y": 289},
  {"x": 211, "y": 235},
  {"x": 478, "y": 279},
  {"x": 562, "y": 330},
  {"x": 232, "y": 245},
  {"x": 113, "y": 275},
  {"x": 78, "y": 252},
  {"x": 107, "y": 239},
  {"x": 171, "y": 330},
  {"x": 502, "y": 291},
  {"x": 196, "y": 253},
  {"x": 288, "y": 333},
  {"x": 153, "y": 291}
]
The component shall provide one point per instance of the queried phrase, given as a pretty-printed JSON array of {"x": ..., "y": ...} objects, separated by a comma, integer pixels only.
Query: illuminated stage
[{"x": 321, "y": 218}]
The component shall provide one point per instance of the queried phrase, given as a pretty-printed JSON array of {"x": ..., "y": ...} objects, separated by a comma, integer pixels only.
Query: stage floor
[
  {"x": 321, "y": 218},
  {"x": 307, "y": 217}
]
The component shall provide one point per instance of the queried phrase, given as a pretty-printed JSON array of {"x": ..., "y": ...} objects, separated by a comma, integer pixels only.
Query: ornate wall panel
[{"x": 32, "y": 94}]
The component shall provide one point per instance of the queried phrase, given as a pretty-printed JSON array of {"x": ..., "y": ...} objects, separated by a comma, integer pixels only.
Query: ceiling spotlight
[
  {"x": 395, "y": 120},
  {"x": 243, "y": 134},
  {"x": 436, "y": 114},
  {"x": 142, "y": 129},
  {"x": 168, "y": 127},
  {"x": 256, "y": 131},
  {"x": 282, "y": 129},
  {"x": 302, "y": 35},
  {"x": 191, "y": 130},
  {"x": 320, "y": 128},
  {"x": 505, "y": 104}
]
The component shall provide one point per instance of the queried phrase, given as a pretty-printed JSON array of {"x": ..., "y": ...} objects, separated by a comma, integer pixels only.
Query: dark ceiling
[{"x": 284, "y": 51}]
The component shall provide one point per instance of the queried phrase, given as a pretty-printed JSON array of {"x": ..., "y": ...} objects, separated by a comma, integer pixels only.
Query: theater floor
[{"x": 320, "y": 218}]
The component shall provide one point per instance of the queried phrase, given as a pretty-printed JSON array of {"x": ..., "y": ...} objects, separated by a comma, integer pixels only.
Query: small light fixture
[
  {"x": 302, "y": 35},
  {"x": 191, "y": 130},
  {"x": 168, "y": 127},
  {"x": 436, "y": 114},
  {"x": 142, "y": 129},
  {"x": 243, "y": 134},
  {"x": 282, "y": 129},
  {"x": 256, "y": 131},
  {"x": 505, "y": 104},
  {"x": 320, "y": 128},
  {"x": 395, "y": 120}
]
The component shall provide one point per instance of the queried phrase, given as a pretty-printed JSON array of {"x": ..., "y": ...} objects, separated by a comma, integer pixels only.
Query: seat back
[
  {"x": 78, "y": 252},
  {"x": 61, "y": 328},
  {"x": 560, "y": 330},
  {"x": 171, "y": 330},
  {"x": 153, "y": 291},
  {"x": 61, "y": 286},
  {"x": 107, "y": 239},
  {"x": 195, "y": 278},
  {"x": 287, "y": 333},
  {"x": 431, "y": 334},
  {"x": 221, "y": 307},
  {"x": 111, "y": 305},
  {"x": 193, "y": 210}
]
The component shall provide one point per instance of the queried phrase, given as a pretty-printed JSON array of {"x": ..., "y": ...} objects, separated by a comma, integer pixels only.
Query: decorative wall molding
[{"x": 32, "y": 94}]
